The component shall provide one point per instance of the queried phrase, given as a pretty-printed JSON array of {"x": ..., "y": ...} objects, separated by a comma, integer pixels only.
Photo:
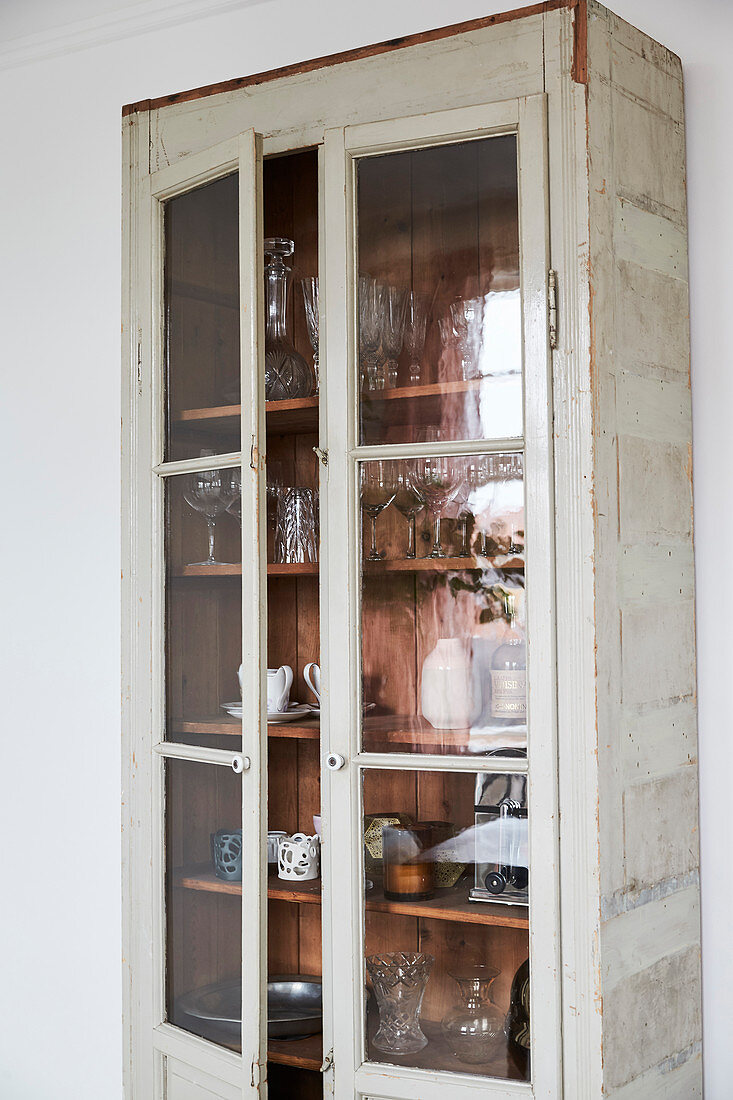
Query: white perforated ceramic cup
[{"x": 298, "y": 857}]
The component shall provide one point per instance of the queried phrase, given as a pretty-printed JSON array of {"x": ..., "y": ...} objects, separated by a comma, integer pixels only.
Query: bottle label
[{"x": 509, "y": 694}]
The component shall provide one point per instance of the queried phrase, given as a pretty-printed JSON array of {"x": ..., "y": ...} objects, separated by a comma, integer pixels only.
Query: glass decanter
[
  {"x": 287, "y": 374},
  {"x": 475, "y": 1029}
]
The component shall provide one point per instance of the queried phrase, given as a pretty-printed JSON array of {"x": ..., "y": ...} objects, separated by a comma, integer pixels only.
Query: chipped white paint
[
  {"x": 636, "y": 940},
  {"x": 649, "y": 240}
]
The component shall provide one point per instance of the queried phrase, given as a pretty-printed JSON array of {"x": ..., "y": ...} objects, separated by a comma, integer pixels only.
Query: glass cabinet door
[
  {"x": 441, "y": 716},
  {"x": 211, "y": 678}
]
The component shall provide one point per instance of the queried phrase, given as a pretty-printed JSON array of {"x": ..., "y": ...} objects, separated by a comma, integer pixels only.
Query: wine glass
[
  {"x": 408, "y": 502},
  {"x": 416, "y": 319},
  {"x": 310, "y": 299},
  {"x": 466, "y": 321},
  {"x": 235, "y": 508},
  {"x": 371, "y": 307},
  {"x": 436, "y": 479},
  {"x": 210, "y": 492},
  {"x": 393, "y": 330},
  {"x": 464, "y": 513},
  {"x": 378, "y": 488}
]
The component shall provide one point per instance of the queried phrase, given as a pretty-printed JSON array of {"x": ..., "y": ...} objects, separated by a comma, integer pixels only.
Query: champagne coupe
[
  {"x": 408, "y": 502},
  {"x": 393, "y": 331},
  {"x": 416, "y": 318},
  {"x": 310, "y": 299},
  {"x": 371, "y": 307},
  {"x": 436, "y": 479},
  {"x": 378, "y": 488},
  {"x": 210, "y": 492}
]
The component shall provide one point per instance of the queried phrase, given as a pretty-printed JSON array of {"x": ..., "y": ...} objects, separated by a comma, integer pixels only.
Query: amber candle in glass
[{"x": 407, "y": 862}]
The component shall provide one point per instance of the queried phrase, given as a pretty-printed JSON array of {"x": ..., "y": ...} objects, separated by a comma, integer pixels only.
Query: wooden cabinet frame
[{"x": 529, "y": 73}]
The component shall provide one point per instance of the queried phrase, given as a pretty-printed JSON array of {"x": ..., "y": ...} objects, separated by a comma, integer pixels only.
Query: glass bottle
[
  {"x": 474, "y": 1029},
  {"x": 287, "y": 374},
  {"x": 509, "y": 674}
]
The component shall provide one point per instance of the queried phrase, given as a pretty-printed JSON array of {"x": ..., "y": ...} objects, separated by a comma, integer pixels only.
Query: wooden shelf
[
  {"x": 274, "y": 569},
  {"x": 300, "y": 414},
  {"x": 437, "y": 1055},
  {"x": 306, "y": 1053},
  {"x": 309, "y": 729},
  {"x": 442, "y": 565},
  {"x": 413, "y": 733},
  {"x": 371, "y": 568},
  {"x": 450, "y": 904}
]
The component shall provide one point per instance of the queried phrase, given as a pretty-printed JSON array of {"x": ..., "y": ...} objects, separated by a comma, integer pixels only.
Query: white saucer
[{"x": 295, "y": 710}]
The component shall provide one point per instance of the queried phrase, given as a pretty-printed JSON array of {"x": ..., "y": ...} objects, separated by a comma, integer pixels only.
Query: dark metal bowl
[{"x": 294, "y": 1008}]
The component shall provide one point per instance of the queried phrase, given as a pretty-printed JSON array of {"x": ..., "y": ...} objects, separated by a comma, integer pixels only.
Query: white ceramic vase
[{"x": 450, "y": 696}]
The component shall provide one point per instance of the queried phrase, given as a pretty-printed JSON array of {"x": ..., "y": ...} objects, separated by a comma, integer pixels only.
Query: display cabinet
[{"x": 409, "y": 645}]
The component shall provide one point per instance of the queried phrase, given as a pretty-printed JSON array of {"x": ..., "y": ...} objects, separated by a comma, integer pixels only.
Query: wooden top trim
[{"x": 579, "y": 63}]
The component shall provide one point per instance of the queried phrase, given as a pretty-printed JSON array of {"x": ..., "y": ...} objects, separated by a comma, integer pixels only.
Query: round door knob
[
  {"x": 240, "y": 764},
  {"x": 334, "y": 761}
]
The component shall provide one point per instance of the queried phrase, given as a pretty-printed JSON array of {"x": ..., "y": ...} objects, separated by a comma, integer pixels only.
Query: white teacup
[
  {"x": 312, "y": 677},
  {"x": 279, "y": 681}
]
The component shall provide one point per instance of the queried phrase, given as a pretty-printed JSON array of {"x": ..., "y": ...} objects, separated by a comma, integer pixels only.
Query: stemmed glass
[
  {"x": 210, "y": 492},
  {"x": 463, "y": 499},
  {"x": 393, "y": 331},
  {"x": 436, "y": 479},
  {"x": 408, "y": 502},
  {"x": 235, "y": 508},
  {"x": 466, "y": 316},
  {"x": 371, "y": 308},
  {"x": 310, "y": 299},
  {"x": 378, "y": 488},
  {"x": 416, "y": 319}
]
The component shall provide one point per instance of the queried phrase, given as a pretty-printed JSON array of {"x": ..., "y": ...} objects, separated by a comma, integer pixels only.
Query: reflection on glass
[
  {"x": 438, "y": 237},
  {"x": 202, "y": 319},
  {"x": 442, "y": 949},
  {"x": 443, "y": 632},
  {"x": 203, "y": 609},
  {"x": 204, "y": 900}
]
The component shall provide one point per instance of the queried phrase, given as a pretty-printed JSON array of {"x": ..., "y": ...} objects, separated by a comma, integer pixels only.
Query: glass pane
[
  {"x": 203, "y": 608},
  {"x": 439, "y": 308},
  {"x": 295, "y": 1045},
  {"x": 442, "y": 604},
  {"x": 446, "y": 921},
  {"x": 204, "y": 900},
  {"x": 202, "y": 320}
]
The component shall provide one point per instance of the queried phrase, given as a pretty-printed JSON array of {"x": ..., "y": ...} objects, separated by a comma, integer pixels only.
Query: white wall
[{"x": 59, "y": 465}]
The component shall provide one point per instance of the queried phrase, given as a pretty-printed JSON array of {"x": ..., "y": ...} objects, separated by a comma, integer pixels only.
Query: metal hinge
[
  {"x": 552, "y": 307},
  {"x": 327, "y": 1062},
  {"x": 322, "y": 455}
]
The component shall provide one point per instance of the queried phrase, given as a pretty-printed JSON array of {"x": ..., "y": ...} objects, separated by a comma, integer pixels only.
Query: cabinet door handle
[
  {"x": 335, "y": 761},
  {"x": 240, "y": 763}
]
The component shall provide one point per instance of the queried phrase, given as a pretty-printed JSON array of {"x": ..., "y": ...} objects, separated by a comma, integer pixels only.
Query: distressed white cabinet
[{"x": 476, "y": 518}]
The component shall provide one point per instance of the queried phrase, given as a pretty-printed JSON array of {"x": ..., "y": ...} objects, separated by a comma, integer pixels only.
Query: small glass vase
[
  {"x": 399, "y": 981},
  {"x": 475, "y": 1029},
  {"x": 287, "y": 374}
]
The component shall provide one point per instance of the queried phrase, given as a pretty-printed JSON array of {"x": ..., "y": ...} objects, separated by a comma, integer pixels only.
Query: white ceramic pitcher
[
  {"x": 278, "y": 688},
  {"x": 279, "y": 681}
]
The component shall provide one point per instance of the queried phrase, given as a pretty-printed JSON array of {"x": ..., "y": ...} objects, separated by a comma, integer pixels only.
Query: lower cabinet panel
[{"x": 186, "y": 1083}]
